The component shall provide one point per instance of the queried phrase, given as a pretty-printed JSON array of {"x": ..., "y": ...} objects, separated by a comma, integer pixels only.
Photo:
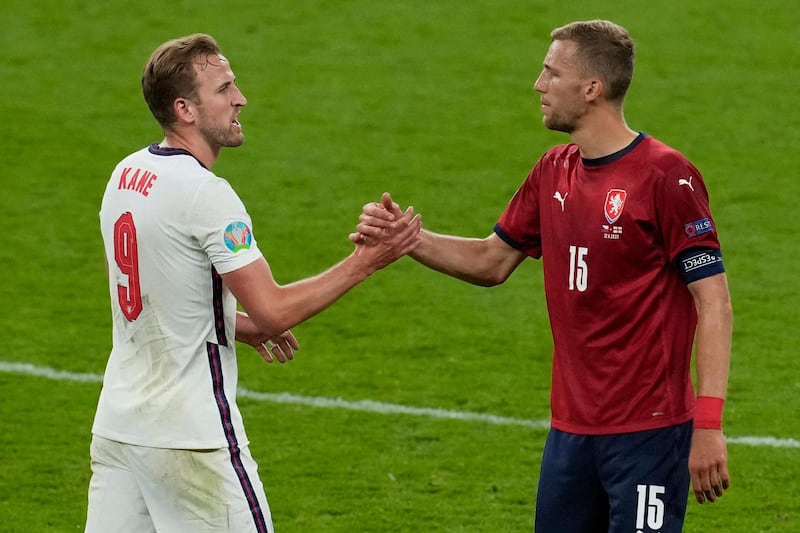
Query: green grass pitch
[{"x": 431, "y": 100}]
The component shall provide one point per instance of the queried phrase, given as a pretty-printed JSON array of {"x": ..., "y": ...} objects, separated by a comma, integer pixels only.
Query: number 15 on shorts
[{"x": 649, "y": 508}]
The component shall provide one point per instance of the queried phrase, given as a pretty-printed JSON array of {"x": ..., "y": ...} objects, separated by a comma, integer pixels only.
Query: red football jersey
[{"x": 609, "y": 232}]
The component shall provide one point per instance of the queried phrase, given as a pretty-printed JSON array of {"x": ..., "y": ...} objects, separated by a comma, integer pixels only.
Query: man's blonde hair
[{"x": 604, "y": 50}]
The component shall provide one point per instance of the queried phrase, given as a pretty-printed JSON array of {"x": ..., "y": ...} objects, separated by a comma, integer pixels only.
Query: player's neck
[
  {"x": 200, "y": 149},
  {"x": 602, "y": 135}
]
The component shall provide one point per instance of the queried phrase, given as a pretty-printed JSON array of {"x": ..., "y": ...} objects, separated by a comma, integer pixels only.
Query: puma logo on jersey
[
  {"x": 686, "y": 182},
  {"x": 561, "y": 199}
]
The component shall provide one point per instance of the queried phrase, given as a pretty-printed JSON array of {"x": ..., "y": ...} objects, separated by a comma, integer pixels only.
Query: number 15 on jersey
[{"x": 578, "y": 269}]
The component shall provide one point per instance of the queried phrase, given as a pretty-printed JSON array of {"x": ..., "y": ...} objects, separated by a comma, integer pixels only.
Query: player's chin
[{"x": 232, "y": 141}]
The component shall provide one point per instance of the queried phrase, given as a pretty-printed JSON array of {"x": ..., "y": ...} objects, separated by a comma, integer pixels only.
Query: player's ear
[
  {"x": 593, "y": 89},
  {"x": 183, "y": 109}
]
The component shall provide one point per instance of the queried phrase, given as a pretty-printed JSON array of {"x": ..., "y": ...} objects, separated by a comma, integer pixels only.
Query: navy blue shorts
[{"x": 633, "y": 482}]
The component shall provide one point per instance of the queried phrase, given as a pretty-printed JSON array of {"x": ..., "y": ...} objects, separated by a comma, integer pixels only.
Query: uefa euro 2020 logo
[{"x": 238, "y": 237}]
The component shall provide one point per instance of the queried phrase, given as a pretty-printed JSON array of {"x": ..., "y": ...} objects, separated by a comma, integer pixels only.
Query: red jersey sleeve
[
  {"x": 682, "y": 208},
  {"x": 519, "y": 225}
]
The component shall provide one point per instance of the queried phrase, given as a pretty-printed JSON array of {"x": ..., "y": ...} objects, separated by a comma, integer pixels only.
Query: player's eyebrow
[
  {"x": 225, "y": 84},
  {"x": 548, "y": 67}
]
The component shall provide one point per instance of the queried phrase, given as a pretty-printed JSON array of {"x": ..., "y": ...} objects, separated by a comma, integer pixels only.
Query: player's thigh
[
  {"x": 646, "y": 475},
  {"x": 196, "y": 491},
  {"x": 115, "y": 501},
  {"x": 570, "y": 496}
]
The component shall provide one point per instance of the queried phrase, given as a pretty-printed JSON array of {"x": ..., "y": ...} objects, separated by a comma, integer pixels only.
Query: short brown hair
[
  {"x": 605, "y": 49},
  {"x": 170, "y": 74}
]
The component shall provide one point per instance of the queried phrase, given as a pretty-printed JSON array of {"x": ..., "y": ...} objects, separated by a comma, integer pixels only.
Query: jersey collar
[
  {"x": 606, "y": 159},
  {"x": 155, "y": 149}
]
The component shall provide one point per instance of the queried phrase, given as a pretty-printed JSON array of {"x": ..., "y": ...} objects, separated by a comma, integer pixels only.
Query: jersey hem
[{"x": 580, "y": 429}]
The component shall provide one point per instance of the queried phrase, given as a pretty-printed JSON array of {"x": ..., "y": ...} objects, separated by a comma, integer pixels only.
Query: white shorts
[{"x": 138, "y": 489}]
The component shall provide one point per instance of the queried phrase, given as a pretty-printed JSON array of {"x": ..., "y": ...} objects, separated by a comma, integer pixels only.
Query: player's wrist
[
  {"x": 708, "y": 412},
  {"x": 359, "y": 265}
]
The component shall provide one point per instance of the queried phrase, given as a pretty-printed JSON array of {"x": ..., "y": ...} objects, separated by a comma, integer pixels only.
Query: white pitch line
[{"x": 370, "y": 406}]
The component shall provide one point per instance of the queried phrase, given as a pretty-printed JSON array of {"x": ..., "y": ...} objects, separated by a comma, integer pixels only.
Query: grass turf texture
[{"x": 432, "y": 101}]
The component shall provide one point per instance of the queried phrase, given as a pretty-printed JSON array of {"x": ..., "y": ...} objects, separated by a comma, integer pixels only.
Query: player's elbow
[
  {"x": 491, "y": 279},
  {"x": 486, "y": 277}
]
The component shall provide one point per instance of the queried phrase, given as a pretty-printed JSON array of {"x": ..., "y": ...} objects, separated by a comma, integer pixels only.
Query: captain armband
[{"x": 699, "y": 263}]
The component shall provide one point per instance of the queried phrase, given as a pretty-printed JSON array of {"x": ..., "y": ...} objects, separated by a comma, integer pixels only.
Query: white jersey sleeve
[{"x": 223, "y": 227}]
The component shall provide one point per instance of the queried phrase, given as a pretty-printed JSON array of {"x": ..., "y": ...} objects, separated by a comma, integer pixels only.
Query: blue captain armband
[{"x": 698, "y": 263}]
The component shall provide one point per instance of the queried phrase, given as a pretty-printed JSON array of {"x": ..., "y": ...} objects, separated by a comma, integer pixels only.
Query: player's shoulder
[
  {"x": 659, "y": 164},
  {"x": 562, "y": 156},
  {"x": 659, "y": 153},
  {"x": 561, "y": 152}
]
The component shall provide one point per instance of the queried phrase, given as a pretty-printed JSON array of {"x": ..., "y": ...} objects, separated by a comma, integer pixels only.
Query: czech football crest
[{"x": 615, "y": 202}]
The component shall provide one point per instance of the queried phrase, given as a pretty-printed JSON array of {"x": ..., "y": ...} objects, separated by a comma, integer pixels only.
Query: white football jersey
[{"x": 170, "y": 227}]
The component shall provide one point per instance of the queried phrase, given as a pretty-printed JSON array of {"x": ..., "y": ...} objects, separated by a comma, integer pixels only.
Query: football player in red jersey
[{"x": 634, "y": 279}]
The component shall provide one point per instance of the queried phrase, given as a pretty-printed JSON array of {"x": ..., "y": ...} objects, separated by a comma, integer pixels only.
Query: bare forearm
[
  {"x": 713, "y": 352},
  {"x": 274, "y": 308},
  {"x": 713, "y": 338},
  {"x": 483, "y": 262},
  {"x": 305, "y": 298}
]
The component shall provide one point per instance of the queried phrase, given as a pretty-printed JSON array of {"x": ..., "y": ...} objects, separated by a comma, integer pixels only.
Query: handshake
[{"x": 385, "y": 233}]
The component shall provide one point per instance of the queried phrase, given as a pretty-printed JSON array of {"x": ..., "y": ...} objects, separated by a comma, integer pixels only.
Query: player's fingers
[
  {"x": 413, "y": 238},
  {"x": 707, "y": 485},
  {"x": 265, "y": 355},
  {"x": 359, "y": 238},
  {"x": 414, "y": 225},
  {"x": 721, "y": 480},
  {"x": 377, "y": 210},
  {"x": 725, "y": 476},
  {"x": 697, "y": 488},
  {"x": 287, "y": 351},
  {"x": 270, "y": 352},
  {"x": 378, "y": 223},
  {"x": 278, "y": 351},
  {"x": 408, "y": 214},
  {"x": 289, "y": 337}
]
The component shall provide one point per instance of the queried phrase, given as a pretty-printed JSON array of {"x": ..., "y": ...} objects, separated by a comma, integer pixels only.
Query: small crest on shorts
[
  {"x": 615, "y": 202},
  {"x": 238, "y": 237}
]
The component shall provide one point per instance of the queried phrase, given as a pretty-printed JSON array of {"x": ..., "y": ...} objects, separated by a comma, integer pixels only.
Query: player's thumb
[{"x": 390, "y": 205}]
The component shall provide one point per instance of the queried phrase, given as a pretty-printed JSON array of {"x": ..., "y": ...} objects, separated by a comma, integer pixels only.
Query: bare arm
[
  {"x": 708, "y": 459},
  {"x": 714, "y": 329},
  {"x": 274, "y": 309},
  {"x": 486, "y": 262}
]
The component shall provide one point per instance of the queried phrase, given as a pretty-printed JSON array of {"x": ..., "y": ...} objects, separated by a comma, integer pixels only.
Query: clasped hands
[{"x": 380, "y": 221}]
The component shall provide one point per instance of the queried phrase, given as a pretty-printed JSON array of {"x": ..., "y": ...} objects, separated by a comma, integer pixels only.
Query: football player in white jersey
[{"x": 169, "y": 450}]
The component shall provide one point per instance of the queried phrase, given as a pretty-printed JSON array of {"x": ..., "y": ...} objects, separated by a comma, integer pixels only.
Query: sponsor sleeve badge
[{"x": 698, "y": 227}]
